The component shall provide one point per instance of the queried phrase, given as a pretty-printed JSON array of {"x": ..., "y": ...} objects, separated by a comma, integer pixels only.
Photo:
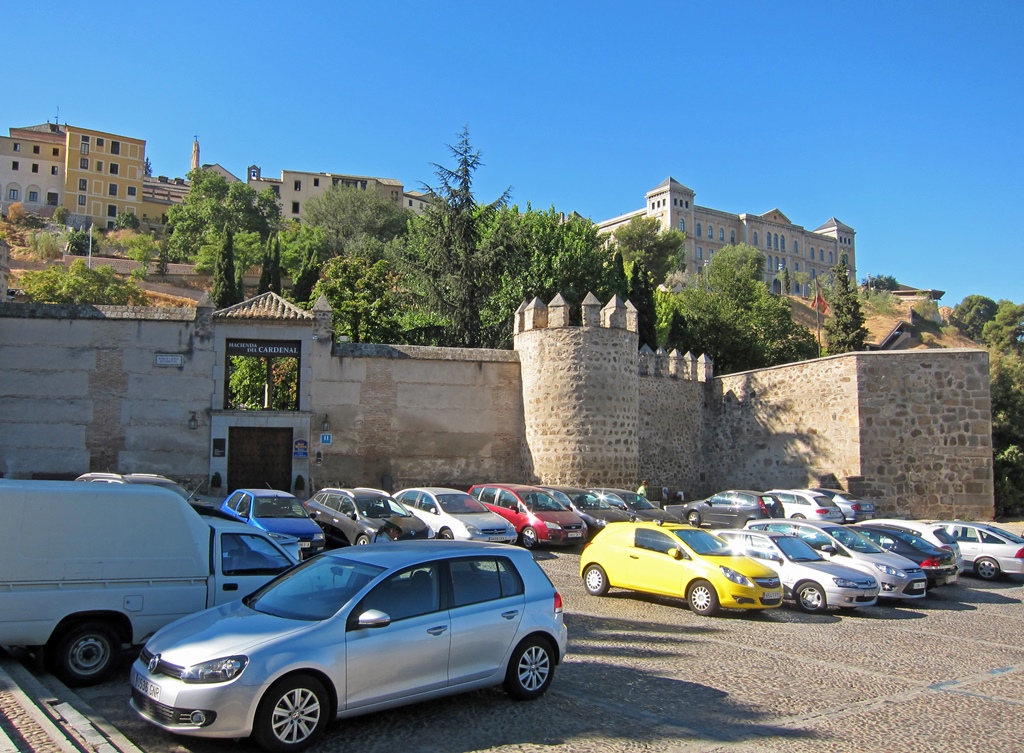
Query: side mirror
[
  {"x": 829, "y": 549},
  {"x": 373, "y": 618},
  {"x": 776, "y": 558},
  {"x": 675, "y": 554}
]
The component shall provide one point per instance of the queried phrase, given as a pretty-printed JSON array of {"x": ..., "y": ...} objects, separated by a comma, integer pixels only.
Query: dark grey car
[
  {"x": 634, "y": 503},
  {"x": 355, "y": 516},
  {"x": 728, "y": 509},
  {"x": 595, "y": 511}
]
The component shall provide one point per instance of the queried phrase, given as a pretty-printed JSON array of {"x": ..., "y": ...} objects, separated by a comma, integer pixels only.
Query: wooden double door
[{"x": 259, "y": 458}]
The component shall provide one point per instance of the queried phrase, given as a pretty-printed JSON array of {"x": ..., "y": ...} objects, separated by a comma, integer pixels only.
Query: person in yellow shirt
[{"x": 642, "y": 489}]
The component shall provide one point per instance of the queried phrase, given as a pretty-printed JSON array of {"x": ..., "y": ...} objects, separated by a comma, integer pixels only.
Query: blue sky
[{"x": 900, "y": 119}]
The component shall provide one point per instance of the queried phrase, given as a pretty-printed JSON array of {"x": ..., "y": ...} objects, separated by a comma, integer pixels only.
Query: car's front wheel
[
  {"x": 595, "y": 580},
  {"x": 292, "y": 715},
  {"x": 987, "y": 569},
  {"x": 693, "y": 518},
  {"x": 810, "y": 597},
  {"x": 529, "y": 537},
  {"x": 361, "y": 539},
  {"x": 445, "y": 534},
  {"x": 530, "y": 669},
  {"x": 703, "y": 598}
]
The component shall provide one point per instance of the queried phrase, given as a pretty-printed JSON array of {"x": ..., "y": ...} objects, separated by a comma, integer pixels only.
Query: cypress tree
[
  {"x": 844, "y": 330},
  {"x": 641, "y": 293},
  {"x": 225, "y": 290},
  {"x": 309, "y": 273},
  {"x": 275, "y": 275},
  {"x": 267, "y": 271}
]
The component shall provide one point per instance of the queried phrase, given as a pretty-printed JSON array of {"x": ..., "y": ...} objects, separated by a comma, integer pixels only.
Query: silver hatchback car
[
  {"x": 354, "y": 631},
  {"x": 809, "y": 505}
]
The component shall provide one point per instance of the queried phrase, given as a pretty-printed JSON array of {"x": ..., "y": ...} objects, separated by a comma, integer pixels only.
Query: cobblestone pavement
[{"x": 644, "y": 674}]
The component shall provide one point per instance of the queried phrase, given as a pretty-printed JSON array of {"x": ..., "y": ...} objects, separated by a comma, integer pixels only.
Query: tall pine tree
[
  {"x": 225, "y": 290},
  {"x": 641, "y": 293},
  {"x": 844, "y": 330}
]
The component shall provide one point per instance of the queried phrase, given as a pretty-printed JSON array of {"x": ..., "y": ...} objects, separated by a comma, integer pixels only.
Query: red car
[{"x": 537, "y": 516}]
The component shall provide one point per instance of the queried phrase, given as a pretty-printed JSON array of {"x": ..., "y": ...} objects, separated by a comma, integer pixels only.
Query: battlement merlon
[{"x": 616, "y": 314}]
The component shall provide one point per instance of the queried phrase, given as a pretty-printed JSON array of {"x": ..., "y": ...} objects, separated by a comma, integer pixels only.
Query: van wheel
[
  {"x": 703, "y": 598},
  {"x": 292, "y": 715},
  {"x": 85, "y": 654},
  {"x": 595, "y": 580}
]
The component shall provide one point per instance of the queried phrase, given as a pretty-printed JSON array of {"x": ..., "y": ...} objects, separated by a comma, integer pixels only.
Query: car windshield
[
  {"x": 704, "y": 543},
  {"x": 176, "y": 488},
  {"x": 313, "y": 591},
  {"x": 852, "y": 540},
  {"x": 460, "y": 504},
  {"x": 635, "y": 501},
  {"x": 279, "y": 507},
  {"x": 377, "y": 506},
  {"x": 943, "y": 536},
  {"x": 593, "y": 502},
  {"x": 910, "y": 538},
  {"x": 1014, "y": 538},
  {"x": 562, "y": 497},
  {"x": 542, "y": 502},
  {"x": 797, "y": 550}
]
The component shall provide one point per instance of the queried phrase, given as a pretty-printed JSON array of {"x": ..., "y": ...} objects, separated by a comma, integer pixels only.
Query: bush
[
  {"x": 60, "y": 215},
  {"x": 45, "y": 246},
  {"x": 16, "y": 213},
  {"x": 881, "y": 302},
  {"x": 77, "y": 242},
  {"x": 126, "y": 221}
]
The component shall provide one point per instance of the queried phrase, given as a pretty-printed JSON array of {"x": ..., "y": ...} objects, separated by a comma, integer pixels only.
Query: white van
[{"x": 87, "y": 569}]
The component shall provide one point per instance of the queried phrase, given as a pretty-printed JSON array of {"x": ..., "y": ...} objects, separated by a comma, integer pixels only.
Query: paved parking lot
[{"x": 644, "y": 674}]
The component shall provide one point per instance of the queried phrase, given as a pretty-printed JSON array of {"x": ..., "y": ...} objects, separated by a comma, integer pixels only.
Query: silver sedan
[
  {"x": 991, "y": 551},
  {"x": 453, "y": 514}
]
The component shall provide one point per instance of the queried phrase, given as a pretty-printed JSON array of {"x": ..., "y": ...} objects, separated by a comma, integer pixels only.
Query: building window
[
  {"x": 316, "y": 183},
  {"x": 783, "y": 242},
  {"x": 35, "y": 149},
  {"x": 721, "y": 233},
  {"x": 85, "y": 139},
  {"x": 830, "y": 258},
  {"x": 56, "y": 151},
  {"x": 755, "y": 237},
  {"x": 732, "y": 236},
  {"x": 115, "y": 147},
  {"x": 277, "y": 190},
  {"x": 796, "y": 266},
  {"x": 112, "y": 189},
  {"x": 83, "y": 184},
  {"x": 821, "y": 254},
  {"x": 85, "y": 148},
  {"x": 698, "y": 230},
  {"x": 54, "y": 170},
  {"x": 100, "y": 142},
  {"x": 796, "y": 247},
  {"x": 700, "y": 253},
  {"x": 111, "y": 210},
  {"x": 83, "y": 164},
  {"x": 114, "y": 168},
  {"x": 14, "y": 165},
  {"x": 35, "y": 167},
  {"x": 767, "y": 240},
  {"x": 682, "y": 224},
  {"x": 51, "y": 199},
  {"x": 298, "y": 185},
  {"x": 687, "y": 202},
  {"x": 99, "y": 166},
  {"x": 776, "y": 241},
  {"x": 33, "y": 197},
  {"x": 814, "y": 274},
  {"x": 131, "y": 190},
  {"x": 17, "y": 146},
  {"x": 81, "y": 201},
  {"x": 12, "y": 195},
  {"x": 295, "y": 207}
]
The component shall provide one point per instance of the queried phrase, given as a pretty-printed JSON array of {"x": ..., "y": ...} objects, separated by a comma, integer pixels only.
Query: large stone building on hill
[{"x": 785, "y": 244}]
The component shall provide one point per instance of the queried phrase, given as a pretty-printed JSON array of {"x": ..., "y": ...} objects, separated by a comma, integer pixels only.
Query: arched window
[
  {"x": 770, "y": 264},
  {"x": 811, "y": 254},
  {"x": 830, "y": 261},
  {"x": 796, "y": 247},
  {"x": 767, "y": 240},
  {"x": 796, "y": 266},
  {"x": 797, "y": 289},
  {"x": 821, "y": 254},
  {"x": 782, "y": 240},
  {"x": 814, "y": 274},
  {"x": 755, "y": 237},
  {"x": 711, "y": 232},
  {"x": 698, "y": 230},
  {"x": 682, "y": 225},
  {"x": 721, "y": 233},
  {"x": 776, "y": 241},
  {"x": 700, "y": 253},
  {"x": 732, "y": 236}
]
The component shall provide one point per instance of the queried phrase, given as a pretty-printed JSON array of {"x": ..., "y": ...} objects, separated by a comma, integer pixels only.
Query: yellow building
[{"x": 95, "y": 174}]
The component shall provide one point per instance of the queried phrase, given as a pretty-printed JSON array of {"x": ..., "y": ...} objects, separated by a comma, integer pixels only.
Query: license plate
[
  {"x": 918, "y": 585},
  {"x": 773, "y": 594},
  {"x": 575, "y": 534},
  {"x": 497, "y": 538},
  {"x": 871, "y": 592},
  {"x": 304, "y": 545},
  {"x": 149, "y": 688}
]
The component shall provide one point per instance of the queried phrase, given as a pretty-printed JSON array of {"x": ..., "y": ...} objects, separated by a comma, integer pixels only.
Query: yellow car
[{"x": 677, "y": 560}]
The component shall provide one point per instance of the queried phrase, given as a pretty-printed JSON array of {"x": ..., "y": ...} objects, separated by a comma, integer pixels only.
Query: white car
[
  {"x": 811, "y": 581},
  {"x": 808, "y": 505},
  {"x": 930, "y": 531},
  {"x": 452, "y": 514},
  {"x": 989, "y": 550}
]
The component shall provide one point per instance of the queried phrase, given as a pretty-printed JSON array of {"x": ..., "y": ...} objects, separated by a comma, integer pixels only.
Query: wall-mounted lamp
[
  {"x": 326, "y": 425},
  {"x": 319, "y": 457},
  {"x": 193, "y": 424}
]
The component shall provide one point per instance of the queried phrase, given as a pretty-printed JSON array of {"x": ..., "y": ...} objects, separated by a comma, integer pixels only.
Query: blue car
[{"x": 278, "y": 513}]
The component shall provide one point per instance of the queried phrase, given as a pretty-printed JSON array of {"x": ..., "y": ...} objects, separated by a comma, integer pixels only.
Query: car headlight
[
  {"x": 601, "y": 522},
  {"x": 510, "y": 530},
  {"x": 553, "y": 526},
  {"x": 890, "y": 570},
  {"x": 318, "y": 537},
  {"x": 431, "y": 534},
  {"x": 218, "y": 670},
  {"x": 844, "y": 583},
  {"x": 279, "y": 536},
  {"x": 473, "y": 530},
  {"x": 737, "y": 578}
]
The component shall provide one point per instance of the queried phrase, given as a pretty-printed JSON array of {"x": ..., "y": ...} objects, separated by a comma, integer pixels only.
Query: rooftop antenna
[{"x": 57, "y": 119}]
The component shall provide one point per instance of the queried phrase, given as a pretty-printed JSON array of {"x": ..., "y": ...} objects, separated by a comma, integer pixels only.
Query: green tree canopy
[
  {"x": 880, "y": 282},
  {"x": 344, "y": 213},
  {"x": 844, "y": 328},
  {"x": 98, "y": 286},
  {"x": 643, "y": 239},
  {"x": 362, "y": 294},
  {"x": 445, "y": 256},
  {"x": 213, "y": 204},
  {"x": 972, "y": 314},
  {"x": 1007, "y": 390},
  {"x": 1005, "y": 332}
]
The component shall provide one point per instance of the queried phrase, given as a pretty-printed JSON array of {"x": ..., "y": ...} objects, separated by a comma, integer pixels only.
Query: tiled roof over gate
[{"x": 265, "y": 306}]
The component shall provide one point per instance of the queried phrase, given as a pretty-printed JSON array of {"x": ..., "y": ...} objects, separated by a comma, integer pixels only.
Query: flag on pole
[{"x": 819, "y": 300}]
